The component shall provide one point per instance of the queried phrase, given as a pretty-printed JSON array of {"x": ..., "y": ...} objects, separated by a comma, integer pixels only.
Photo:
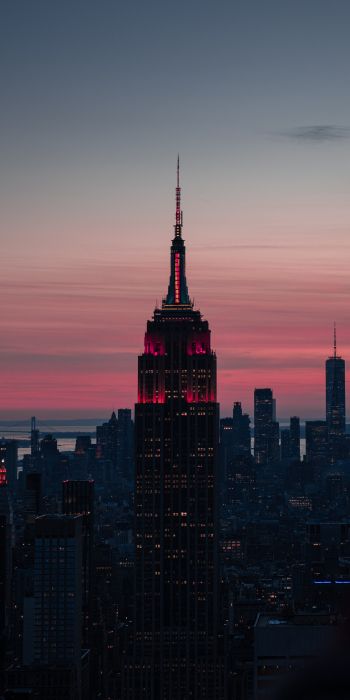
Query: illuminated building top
[
  {"x": 177, "y": 362},
  {"x": 177, "y": 297}
]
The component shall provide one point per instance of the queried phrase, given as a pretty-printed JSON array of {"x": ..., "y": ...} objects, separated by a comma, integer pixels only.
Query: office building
[
  {"x": 125, "y": 447},
  {"x": 226, "y": 447},
  {"x": 316, "y": 434},
  {"x": 57, "y": 590},
  {"x": 34, "y": 439},
  {"x": 263, "y": 418},
  {"x": 335, "y": 392},
  {"x": 78, "y": 499},
  {"x": 241, "y": 436},
  {"x": 294, "y": 429},
  {"x": 176, "y": 653},
  {"x": 285, "y": 445},
  {"x": 33, "y": 494},
  {"x": 107, "y": 440}
]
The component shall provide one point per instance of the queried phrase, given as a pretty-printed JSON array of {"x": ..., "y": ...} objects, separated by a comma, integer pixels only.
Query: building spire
[
  {"x": 178, "y": 212},
  {"x": 177, "y": 296},
  {"x": 335, "y": 339}
]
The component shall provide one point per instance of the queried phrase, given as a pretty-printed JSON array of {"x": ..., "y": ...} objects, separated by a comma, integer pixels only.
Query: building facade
[
  {"x": 57, "y": 590},
  {"x": 266, "y": 429},
  {"x": 335, "y": 405},
  {"x": 176, "y": 649}
]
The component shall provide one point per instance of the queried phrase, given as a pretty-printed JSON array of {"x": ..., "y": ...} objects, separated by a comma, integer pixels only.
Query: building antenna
[
  {"x": 178, "y": 213},
  {"x": 335, "y": 339}
]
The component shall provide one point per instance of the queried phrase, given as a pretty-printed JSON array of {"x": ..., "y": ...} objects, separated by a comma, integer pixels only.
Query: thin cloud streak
[{"x": 318, "y": 133}]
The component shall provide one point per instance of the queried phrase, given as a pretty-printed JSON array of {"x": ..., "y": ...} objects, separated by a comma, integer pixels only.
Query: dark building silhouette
[
  {"x": 54, "y": 664},
  {"x": 240, "y": 431},
  {"x": 82, "y": 444},
  {"x": 266, "y": 429},
  {"x": 57, "y": 590},
  {"x": 335, "y": 392},
  {"x": 273, "y": 444},
  {"x": 226, "y": 428},
  {"x": 48, "y": 446},
  {"x": 125, "y": 447},
  {"x": 34, "y": 439},
  {"x": 294, "y": 429},
  {"x": 285, "y": 445},
  {"x": 33, "y": 493},
  {"x": 78, "y": 499},
  {"x": 107, "y": 439},
  {"x": 316, "y": 434},
  {"x": 241, "y": 479},
  {"x": 54, "y": 465},
  {"x": 176, "y": 651}
]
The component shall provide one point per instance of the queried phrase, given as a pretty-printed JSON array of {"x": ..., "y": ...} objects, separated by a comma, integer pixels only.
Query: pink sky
[
  {"x": 96, "y": 105},
  {"x": 72, "y": 327}
]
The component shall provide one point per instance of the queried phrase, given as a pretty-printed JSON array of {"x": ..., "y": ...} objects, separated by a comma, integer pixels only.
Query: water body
[{"x": 65, "y": 432}]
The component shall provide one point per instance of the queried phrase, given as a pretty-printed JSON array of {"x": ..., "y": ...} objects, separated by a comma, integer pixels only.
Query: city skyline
[
  {"x": 244, "y": 366},
  {"x": 174, "y": 303},
  {"x": 89, "y": 140}
]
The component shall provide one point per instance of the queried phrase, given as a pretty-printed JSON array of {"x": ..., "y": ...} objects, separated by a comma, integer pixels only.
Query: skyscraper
[
  {"x": 241, "y": 431},
  {"x": 285, "y": 445},
  {"x": 34, "y": 439},
  {"x": 294, "y": 428},
  {"x": 57, "y": 590},
  {"x": 316, "y": 434},
  {"x": 335, "y": 392},
  {"x": 176, "y": 433},
  {"x": 107, "y": 439},
  {"x": 226, "y": 446},
  {"x": 78, "y": 499},
  {"x": 266, "y": 429},
  {"x": 52, "y": 618},
  {"x": 125, "y": 450}
]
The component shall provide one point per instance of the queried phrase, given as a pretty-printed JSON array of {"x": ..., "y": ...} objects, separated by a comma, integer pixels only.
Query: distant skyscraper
[
  {"x": 240, "y": 431},
  {"x": 294, "y": 430},
  {"x": 225, "y": 450},
  {"x": 125, "y": 452},
  {"x": 176, "y": 428},
  {"x": 33, "y": 494},
  {"x": 266, "y": 430},
  {"x": 316, "y": 434},
  {"x": 285, "y": 445},
  {"x": 34, "y": 438},
  {"x": 107, "y": 439},
  {"x": 82, "y": 444},
  {"x": 54, "y": 465},
  {"x": 335, "y": 392},
  {"x": 273, "y": 442}
]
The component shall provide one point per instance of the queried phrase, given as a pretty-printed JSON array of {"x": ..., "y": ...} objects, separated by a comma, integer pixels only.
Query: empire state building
[{"x": 176, "y": 637}]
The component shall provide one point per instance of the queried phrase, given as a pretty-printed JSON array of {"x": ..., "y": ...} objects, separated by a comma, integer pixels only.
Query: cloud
[{"x": 318, "y": 133}]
